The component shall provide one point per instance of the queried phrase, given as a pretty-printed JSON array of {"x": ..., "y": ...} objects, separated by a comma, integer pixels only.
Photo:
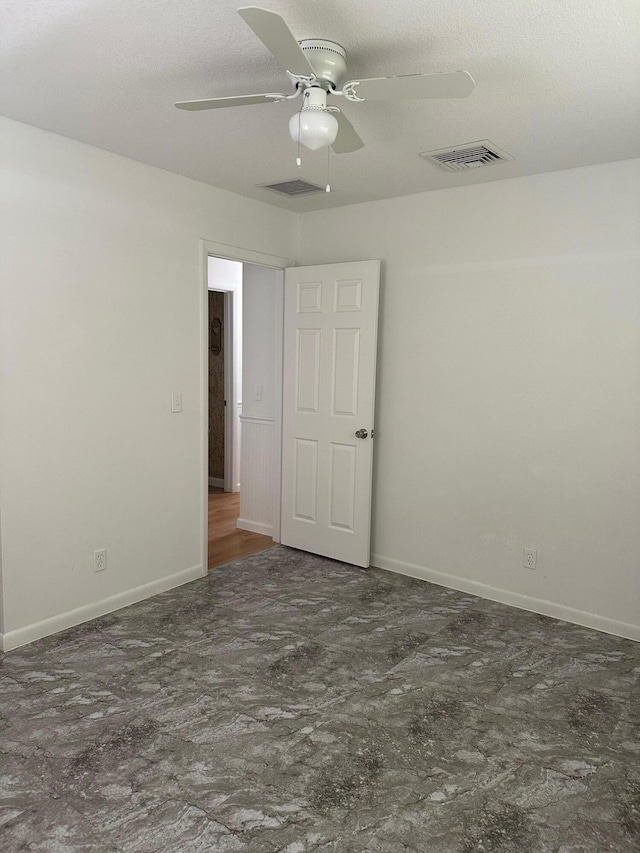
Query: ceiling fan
[{"x": 317, "y": 68}]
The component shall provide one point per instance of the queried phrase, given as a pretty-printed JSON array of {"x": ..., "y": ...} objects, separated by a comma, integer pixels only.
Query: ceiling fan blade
[
  {"x": 217, "y": 103},
  {"x": 276, "y": 36},
  {"x": 456, "y": 84},
  {"x": 347, "y": 139}
]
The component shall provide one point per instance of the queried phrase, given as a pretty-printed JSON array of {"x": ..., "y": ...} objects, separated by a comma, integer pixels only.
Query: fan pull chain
[{"x": 327, "y": 189}]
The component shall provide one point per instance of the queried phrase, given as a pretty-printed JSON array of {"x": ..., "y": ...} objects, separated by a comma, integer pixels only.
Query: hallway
[{"x": 226, "y": 542}]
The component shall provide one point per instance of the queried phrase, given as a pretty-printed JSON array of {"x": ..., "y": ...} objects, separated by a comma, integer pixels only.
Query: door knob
[{"x": 361, "y": 433}]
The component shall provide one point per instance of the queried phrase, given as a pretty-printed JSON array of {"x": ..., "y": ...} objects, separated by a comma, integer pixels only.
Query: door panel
[
  {"x": 342, "y": 483},
  {"x": 308, "y": 370},
  {"x": 306, "y": 480},
  {"x": 330, "y": 339},
  {"x": 346, "y": 369}
]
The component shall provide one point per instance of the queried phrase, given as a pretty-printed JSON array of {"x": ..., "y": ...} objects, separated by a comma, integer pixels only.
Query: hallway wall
[{"x": 260, "y": 465}]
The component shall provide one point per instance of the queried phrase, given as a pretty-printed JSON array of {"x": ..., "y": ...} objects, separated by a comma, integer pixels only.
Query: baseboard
[
  {"x": 255, "y": 527},
  {"x": 514, "y": 599},
  {"x": 38, "y": 630},
  {"x": 216, "y": 482}
]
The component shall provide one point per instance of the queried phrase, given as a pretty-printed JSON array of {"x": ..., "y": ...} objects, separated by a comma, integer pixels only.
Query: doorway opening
[
  {"x": 318, "y": 484},
  {"x": 243, "y": 302}
]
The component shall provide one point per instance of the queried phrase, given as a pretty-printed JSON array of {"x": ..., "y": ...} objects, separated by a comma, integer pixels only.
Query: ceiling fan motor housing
[{"x": 328, "y": 60}]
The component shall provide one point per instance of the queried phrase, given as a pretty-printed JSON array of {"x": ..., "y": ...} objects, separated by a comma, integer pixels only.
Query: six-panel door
[{"x": 330, "y": 337}]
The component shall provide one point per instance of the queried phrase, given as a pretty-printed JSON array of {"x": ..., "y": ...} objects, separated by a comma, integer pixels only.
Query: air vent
[
  {"x": 293, "y": 188},
  {"x": 472, "y": 155}
]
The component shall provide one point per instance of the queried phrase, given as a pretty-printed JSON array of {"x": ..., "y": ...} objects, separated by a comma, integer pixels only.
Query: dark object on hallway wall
[
  {"x": 216, "y": 385},
  {"x": 215, "y": 336}
]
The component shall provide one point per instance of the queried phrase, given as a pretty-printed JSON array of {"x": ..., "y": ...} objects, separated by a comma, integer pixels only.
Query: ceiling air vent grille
[
  {"x": 473, "y": 155},
  {"x": 293, "y": 188}
]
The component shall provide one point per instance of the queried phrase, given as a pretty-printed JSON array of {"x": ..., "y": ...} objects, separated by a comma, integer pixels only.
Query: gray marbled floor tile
[
  {"x": 51, "y": 827},
  {"x": 62, "y": 731},
  {"x": 288, "y": 703},
  {"x": 72, "y": 697},
  {"x": 171, "y": 827},
  {"x": 527, "y": 808},
  {"x": 27, "y": 783}
]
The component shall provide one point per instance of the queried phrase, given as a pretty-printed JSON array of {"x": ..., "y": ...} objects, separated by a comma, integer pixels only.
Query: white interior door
[{"x": 330, "y": 338}]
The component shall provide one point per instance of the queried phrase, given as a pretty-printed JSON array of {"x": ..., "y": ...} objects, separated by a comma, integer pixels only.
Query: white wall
[
  {"x": 226, "y": 275},
  {"x": 262, "y": 361},
  {"x": 508, "y": 400},
  {"x": 262, "y": 288},
  {"x": 100, "y": 321},
  {"x": 508, "y": 409}
]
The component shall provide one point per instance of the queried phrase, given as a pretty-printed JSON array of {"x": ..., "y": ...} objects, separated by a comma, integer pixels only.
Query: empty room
[{"x": 427, "y": 400}]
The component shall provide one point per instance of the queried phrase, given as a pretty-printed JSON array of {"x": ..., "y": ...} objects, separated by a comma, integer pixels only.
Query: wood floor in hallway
[{"x": 226, "y": 542}]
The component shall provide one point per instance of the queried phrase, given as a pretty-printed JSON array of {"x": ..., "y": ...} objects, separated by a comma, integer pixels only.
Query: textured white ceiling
[{"x": 557, "y": 86}]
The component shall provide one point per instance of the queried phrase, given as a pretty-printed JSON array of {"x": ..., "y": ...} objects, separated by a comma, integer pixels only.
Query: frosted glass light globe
[{"x": 318, "y": 128}]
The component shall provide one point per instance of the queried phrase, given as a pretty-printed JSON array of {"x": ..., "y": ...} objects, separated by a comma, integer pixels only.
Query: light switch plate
[{"x": 176, "y": 402}]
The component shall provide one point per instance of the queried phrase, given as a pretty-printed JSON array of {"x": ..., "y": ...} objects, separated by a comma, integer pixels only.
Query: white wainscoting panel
[{"x": 257, "y": 473}]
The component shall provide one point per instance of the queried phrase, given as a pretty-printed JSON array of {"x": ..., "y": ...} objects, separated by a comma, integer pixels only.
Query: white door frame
[
  {"x": 231, "y": 463},
  {"x": 247, "y": 256}
]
